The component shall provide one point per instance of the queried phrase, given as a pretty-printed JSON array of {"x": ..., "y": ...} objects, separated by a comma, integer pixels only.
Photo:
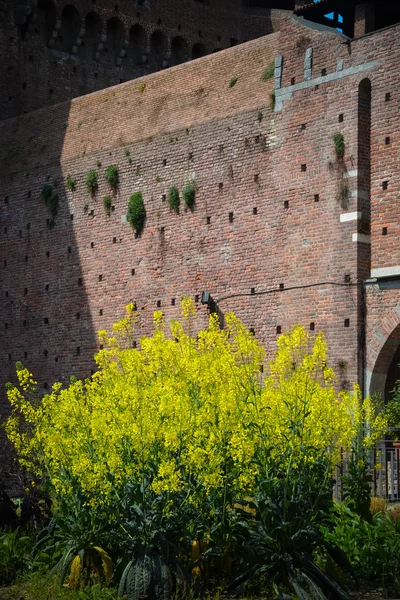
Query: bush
[
  {"x": 14, "y": 553},
  {"x": 91, "y": 181},
  {"x": 112, "y": 176},
  {"x": 136, "y": 214},
  {"x": 339, "y": 144},
  {"x": 107, "y": 203},
  {"x": 183, "y": 440},
  {"x": 173, "y": 199},
  {"x": 189, "y": 195},
  {"x": 372, "y": 548}
]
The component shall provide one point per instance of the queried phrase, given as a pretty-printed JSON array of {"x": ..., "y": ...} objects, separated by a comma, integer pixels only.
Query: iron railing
[{"x": 384, "y": 467}]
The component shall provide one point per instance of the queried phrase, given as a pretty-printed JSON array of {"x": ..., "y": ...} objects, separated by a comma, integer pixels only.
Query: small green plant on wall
[
  {"x": 70, "y": 183},
  {"x": 173, "y": 199},
  {"x": 91, "y": 181},
  {"x": 107, "y": 203},
  {"x": 340, "y": 146},
  {"x": 51, "y": 200},
  {"x": 136, "y": 215},
  {"x": 233, "y": 82},
  {"x": 112, "y": 177},
  {"x": 272, "y": 99},
  {"x": 268, "y": 73},
  {"x": 189, "y": 195}
]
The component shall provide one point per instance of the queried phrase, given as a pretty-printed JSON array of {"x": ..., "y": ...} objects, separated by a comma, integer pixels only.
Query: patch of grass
[
  {"x": 189, "y": 195},
  {"x": 268, "y": 73},
  {"x": 70, "y": 183},
  {"x": 233, "y": 82},
  {"x": 91, "y": 182},
  {"x": 260, "y": 116},
  {"x": 43, "y": 587},
  {"x": 112, "y": 177},
  {"x": 137, "y": 172},
  {"x": 142, "y": 87},
  {"x": 339, "y": 144},
  {"x": 80, "y": 124},
  {"x": 136, "y": 215},
  {"x": 173, "y": 199},
  {"x": 98, "y": 163},
  {"x": 158, "y": 179},
  {"x": 107, "y": 203}
]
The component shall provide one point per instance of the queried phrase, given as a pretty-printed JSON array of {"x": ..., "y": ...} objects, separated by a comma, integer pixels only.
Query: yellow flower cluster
[{"x": 191, "y": 408}]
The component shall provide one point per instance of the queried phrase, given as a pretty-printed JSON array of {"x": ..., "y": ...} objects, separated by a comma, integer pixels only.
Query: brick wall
[
  {"x": 270, "y": 236},
  {"x": 66, "y": 49}
]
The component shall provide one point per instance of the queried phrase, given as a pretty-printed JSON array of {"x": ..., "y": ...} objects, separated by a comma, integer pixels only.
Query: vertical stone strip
[
  {"x": 278, "y": 72},
  {"x": 308, "y": 64}
]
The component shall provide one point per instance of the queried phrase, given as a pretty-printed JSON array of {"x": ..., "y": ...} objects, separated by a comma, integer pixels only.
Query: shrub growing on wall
[
  {"x": 136, "y": 215},
  {"x": 112, "y": 176},
  {"x": 91, "y": 181},
  {"x": 269, "y": 72},
  {"x": 173, "y": 199},
  {"x": 107, "y": 203},
  {"x": 189, "y": 195},
  {"x": 51, "y": 199},
  {"x": 340, "y": 146},
  {"x": 70, "y": 183}
]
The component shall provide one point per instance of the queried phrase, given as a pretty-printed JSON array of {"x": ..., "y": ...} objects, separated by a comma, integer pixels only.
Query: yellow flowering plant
[{"x": 185, "y": 425}]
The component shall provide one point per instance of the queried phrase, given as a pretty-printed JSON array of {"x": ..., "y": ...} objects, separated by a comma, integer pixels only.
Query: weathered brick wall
[
  {"x": 269, "y": 237},
  {"x": 51, "y": 58}
]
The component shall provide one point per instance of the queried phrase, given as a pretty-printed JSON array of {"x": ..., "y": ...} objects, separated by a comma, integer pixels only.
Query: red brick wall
[{"x": 183, "y": 124}]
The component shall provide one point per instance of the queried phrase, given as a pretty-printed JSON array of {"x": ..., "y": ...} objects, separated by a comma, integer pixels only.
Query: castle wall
[
  {"x": 272, "y": 237},
  {"x": 63, "y": 49}
]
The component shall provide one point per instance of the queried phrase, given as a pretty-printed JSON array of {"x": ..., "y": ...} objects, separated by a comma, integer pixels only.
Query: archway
[
  {"x": 198, "y": 51},
  {"x": 93, "y": 29},
  {"x": 158, "y": 47},
  {"x": 113, "y": 44},
  {"x": 69, "y": 30},
  {"x": 178, "y": 51},
  {"x": 386, "y": 368},
  {"x": 137, "y": 46},
  {"x": 45, "y": 20}
]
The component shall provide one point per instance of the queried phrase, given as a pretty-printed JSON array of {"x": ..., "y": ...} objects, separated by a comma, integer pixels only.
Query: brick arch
[
  {"x": 179, "y": 50},
  {"x": 71, "y": 22},
  {"x": 46, "y": 17},
  {"x": 94, "y": 28},
  {"x": 115, "y": 37},
  {"x": 137, "y": 45},
  {"x": 61, "y": 4},
  {"x": 158, "y": 50},
  {"x": 381, "y": 348}
]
